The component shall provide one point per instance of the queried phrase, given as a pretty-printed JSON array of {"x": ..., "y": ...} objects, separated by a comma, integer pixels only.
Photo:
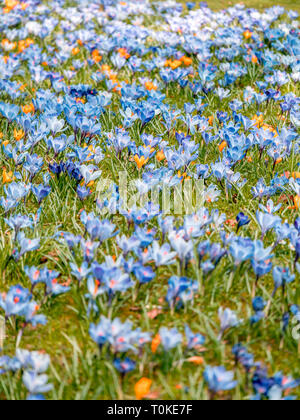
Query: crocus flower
[
  {"x": 35, "y": 383},
  {"x": 228, "y": 320},
  {"x": 81, "y": 272},
  {"x": 193, "y": 340},
  {"x": 258, "y": 305},
  {"x": 267, "y": 221},
  {"x": 41, "y": 191},
  {"x": 282, "y": 277},
  {"x": 218, "y": 379},
  {"x": 162, "y": 255},
  {"x": 242, "y": 220},
  {"x": 124, "y": 366},
  {"x": 181, "y": 290},
  {"x": 170, "y": 338}
]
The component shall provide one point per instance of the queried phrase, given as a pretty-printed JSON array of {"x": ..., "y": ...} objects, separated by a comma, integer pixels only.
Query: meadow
[{"x": 149, "y": 200}]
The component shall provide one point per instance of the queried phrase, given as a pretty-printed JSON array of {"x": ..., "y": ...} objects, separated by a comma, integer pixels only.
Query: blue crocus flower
[
  {"x": 180, "y": 291},
  {"x": 285, "y": 321},
  {"x": 183, "y": 248},
  {"x": 262, "y": 259},
  {"x": 242, "y": 220},
  {"x": 9, "y": 111},
  {"x": 120, "y": 336},
  {"x": 31, "y": 317},
  {"x": 116, "y": 281},
  {"x": 19, "y": 222},
  {"x": 128, "y": 244},
  {"x": 33, "y": 165},
  {"x": 170, "y": 338},
  {"x": 242, "y": 356},
  {"x": 15, "y": 301},
  {"x": 36, "y": 397},
  {"x": 124, "y": 366},
  {"x": 270, "y": 208},
  {"x": 89, "y": 173},
  {"x": 55, "y": 125},
  {"x": 258, "y": 305},
  {"x": 59, "y": 144},
  {"x": 203, "y": 171},
  {"x": 267, "y": 221},
  {"x": 219, "y": 379},
  {"x": 120, "y": 140},
  {"x": 271, "y": 387},
  {"x": 37, "y": 361},
  {"x": 162, "y": 255},
  {"x": 100, "y": 229},
  {"x": 26, "y": 245},
  {"x": 41, "y": 191},
  {"x": 219, "y": 170},
  {"x": 35, "y": 383},
  {"x": 241, "y": 250},
  {"x": 193, "y": 340},
  {"x": 143, "y": 274},
  {"x": 83, "y": 192},
  {"x": 228, "y": 320},
  {"x": 89, "y": 248},
  {"x": 81, "y": 272},
  {"x": 56, "y": 168},
  {"x": 282, "y": 276}
]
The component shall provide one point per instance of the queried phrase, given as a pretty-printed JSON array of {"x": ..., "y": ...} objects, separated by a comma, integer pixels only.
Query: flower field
[{"x": 149, "y": 200}]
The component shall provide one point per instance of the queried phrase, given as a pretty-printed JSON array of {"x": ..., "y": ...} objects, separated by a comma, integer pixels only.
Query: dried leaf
[{"x": 154, "y": 313}]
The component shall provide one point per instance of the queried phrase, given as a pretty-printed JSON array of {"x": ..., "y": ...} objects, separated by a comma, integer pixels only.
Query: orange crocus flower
[
  {"x": 18, "y": 134},
  {"x": 295, "y": 175},
  {"x": 155, "y": 343},
  {"x": 150, "y": 86},
  {"x": 96, "y": 56},
  {"x": 27, "y": 109},
  {"x": 254, "y": 59},
  {"x": 248, "y": 34},
  {"x": 175, "y": 64},
  {"x": 187, "y": 61},
  {"x": 197, "y": 360},
  {"x": 123, "y": 53},
  {"x": 222, "y": 146},
  {"x": 75, "y": 51},
  {"x": 259, "y": 120},
  {"x": 160, "y": 156},
  {"x": 7, "y": 177},
  {"x": 142, "y": 388},
  {"x": 140, "y": 161}
]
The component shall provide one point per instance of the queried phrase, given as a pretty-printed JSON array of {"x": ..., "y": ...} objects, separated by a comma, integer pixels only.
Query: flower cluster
[{"x": 198, "y": 113}]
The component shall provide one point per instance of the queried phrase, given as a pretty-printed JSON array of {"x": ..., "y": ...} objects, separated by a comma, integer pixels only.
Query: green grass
[{"x": 260, "y": 5}]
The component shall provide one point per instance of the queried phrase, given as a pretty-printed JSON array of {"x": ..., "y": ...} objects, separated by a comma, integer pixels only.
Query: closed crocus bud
[
  {"x": 258, "y": 304},
  {"x": 242, "y": 220},
  {"x": 83, "y": 192}
]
